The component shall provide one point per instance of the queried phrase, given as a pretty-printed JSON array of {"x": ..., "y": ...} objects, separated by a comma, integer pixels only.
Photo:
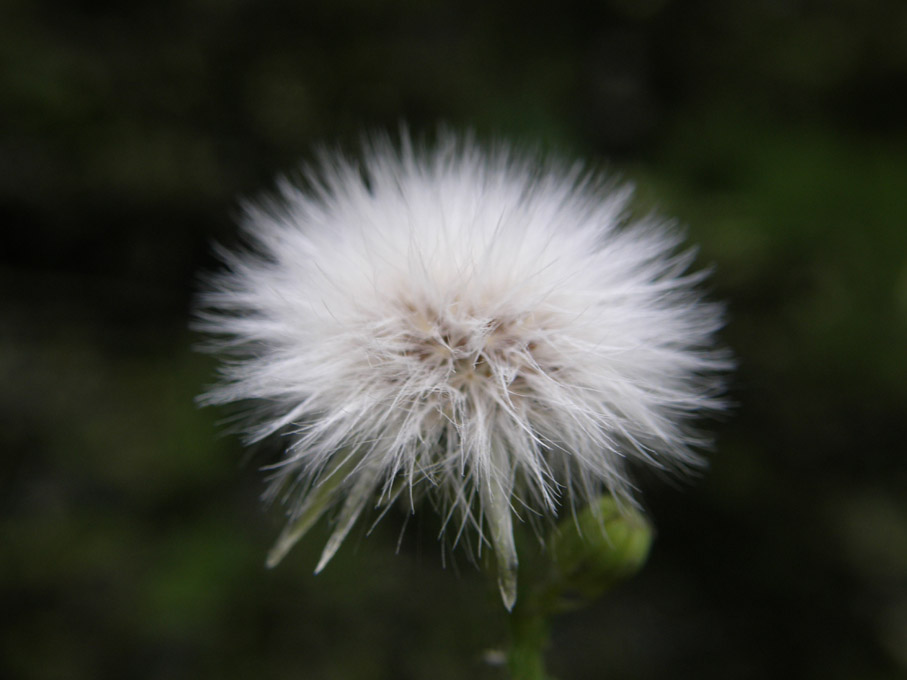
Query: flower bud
[{"x": 603, "y": 545}]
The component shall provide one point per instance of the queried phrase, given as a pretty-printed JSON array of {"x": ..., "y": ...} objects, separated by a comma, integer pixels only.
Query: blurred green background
[{"x": 132, "y": 540}]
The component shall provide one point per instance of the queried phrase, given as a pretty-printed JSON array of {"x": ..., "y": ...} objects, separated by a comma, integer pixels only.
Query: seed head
[{"x": 488, "y": 331}]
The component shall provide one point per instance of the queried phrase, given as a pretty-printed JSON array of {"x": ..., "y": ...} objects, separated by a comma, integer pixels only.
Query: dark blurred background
[{"x": 133, "y": 540}]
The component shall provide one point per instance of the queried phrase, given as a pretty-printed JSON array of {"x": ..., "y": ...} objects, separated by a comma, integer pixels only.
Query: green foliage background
[{"x": 132, "y": 541}]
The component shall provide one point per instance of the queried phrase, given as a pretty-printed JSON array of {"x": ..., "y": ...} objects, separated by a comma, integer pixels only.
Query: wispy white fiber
[{"x": 482, "y": 329}]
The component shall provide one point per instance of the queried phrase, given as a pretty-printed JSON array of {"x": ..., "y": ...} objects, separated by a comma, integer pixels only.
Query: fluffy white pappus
[{"x": 486, "y": 330}]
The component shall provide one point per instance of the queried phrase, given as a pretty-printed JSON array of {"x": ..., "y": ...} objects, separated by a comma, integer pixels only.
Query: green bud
[{"x": 603, "y": 545}]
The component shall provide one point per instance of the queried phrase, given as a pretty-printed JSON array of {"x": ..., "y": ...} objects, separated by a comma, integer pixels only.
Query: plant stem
[{"x": 529, "y": 638}]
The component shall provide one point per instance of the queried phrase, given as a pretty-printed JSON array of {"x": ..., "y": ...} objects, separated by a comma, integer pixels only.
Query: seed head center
[{"x": 468, "y": 350}]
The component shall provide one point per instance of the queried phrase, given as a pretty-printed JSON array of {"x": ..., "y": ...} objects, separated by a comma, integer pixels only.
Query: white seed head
[{"x": 489, "y": 331}]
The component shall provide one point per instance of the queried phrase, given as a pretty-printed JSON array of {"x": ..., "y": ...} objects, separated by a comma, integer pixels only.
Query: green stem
[{"x": 528, "y": 640}]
